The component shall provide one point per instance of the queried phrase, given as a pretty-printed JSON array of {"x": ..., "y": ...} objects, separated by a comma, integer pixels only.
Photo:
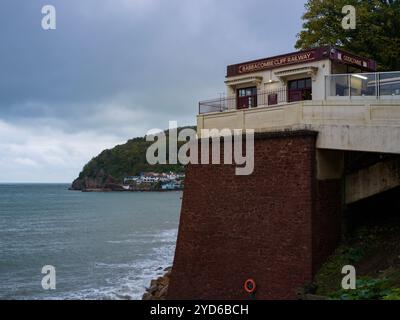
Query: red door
[
  {"x": 300, "y": 90},
  {"x": 247, "y": 98}
]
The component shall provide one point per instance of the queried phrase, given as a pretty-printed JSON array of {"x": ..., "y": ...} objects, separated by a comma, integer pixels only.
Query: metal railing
[
  {"x": 379, "y": 85},
  {"x": 262, "y": 98}
]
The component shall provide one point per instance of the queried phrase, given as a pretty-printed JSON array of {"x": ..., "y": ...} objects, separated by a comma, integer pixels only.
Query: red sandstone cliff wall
[{"x": 261, "y": 226}]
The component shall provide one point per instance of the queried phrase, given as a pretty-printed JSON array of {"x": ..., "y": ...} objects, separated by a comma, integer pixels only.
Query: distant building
[
  {"x": 149, "y": 179},
  {"x": 171, "y": 180},
  {"x": 131, "y": 179},
  {"x": 171, "y": 186}
]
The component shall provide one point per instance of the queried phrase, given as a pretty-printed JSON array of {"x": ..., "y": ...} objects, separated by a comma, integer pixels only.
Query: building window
[
  {"x": 247, "y": 98},
  {"x": 299, "y": 90}
]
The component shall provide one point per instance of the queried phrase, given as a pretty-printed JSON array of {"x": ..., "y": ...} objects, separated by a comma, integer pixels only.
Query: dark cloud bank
[{"x": 115, "y": 69}]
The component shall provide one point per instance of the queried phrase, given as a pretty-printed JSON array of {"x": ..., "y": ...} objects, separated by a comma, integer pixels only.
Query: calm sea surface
[{"x": 103, "y": 245}]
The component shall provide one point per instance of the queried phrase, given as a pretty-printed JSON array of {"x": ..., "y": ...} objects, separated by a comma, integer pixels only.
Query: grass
[{"x": 375, "y": 253}]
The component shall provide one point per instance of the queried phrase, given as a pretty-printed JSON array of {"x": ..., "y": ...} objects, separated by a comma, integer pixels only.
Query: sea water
[{"x": 102, "y": 245}]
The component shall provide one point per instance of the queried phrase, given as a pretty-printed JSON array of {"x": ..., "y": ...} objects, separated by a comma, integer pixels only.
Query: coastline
[
  {"x": 158, "y": 289},
  {"x": 135, "y": 191}
]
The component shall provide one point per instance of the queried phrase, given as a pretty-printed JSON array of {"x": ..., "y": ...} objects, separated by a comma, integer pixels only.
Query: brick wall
[
  {"x": 327, "y": 220},
  {"x": 261, "y": 226}
]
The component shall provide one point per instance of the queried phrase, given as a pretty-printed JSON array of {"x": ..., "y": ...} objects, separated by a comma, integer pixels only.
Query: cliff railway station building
[{"x": 327, "y": 138}]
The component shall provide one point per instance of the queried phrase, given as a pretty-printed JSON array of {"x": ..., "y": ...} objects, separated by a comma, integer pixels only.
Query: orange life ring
[{"x": 250, "y": 286}]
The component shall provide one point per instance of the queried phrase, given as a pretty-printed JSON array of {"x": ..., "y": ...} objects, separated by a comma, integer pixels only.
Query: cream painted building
[
  {"x": 325, "y": 89},
  {"x": 286, "y": 78}
]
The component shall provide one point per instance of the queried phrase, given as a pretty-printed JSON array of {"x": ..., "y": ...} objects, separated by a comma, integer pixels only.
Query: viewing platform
[{"x": 358, "y": 110}]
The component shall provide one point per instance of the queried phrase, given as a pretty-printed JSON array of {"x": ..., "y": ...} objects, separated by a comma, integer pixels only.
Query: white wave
[{"x": 133, "y": 284}]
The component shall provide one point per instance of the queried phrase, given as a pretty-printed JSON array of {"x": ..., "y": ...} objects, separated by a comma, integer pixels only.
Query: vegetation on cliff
[
  {"x": 374, "y": 250},
  {"x": 108, "y": 169}
]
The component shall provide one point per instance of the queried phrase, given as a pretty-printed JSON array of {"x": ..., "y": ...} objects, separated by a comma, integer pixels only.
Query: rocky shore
[{"x": 158, "y": 289}]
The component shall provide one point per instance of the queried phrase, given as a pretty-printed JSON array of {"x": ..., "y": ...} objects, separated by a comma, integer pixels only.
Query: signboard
[
  {"x": 354, "y": 60},
  {"x": 300, "y": 57},
  {"x": 279, "y": 61},
  {"x": 276, "y": 62}
]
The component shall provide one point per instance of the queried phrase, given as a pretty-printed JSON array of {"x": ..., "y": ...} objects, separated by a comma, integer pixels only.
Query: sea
[{"x": 101, "y": 246}]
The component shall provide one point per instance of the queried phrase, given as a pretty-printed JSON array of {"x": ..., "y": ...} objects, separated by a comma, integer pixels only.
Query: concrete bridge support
[{"x": 375, "y": 179}]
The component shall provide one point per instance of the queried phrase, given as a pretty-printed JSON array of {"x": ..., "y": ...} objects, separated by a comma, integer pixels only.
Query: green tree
[{"x": 377, "y": 34}]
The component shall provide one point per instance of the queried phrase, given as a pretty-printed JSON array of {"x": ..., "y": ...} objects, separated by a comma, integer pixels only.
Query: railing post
[
  {"x": 378, "y": 84},
  {"x": 349, "y": 76}
]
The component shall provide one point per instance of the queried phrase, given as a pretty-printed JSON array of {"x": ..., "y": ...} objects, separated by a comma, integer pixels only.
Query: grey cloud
[{"x": 120, "y": 68}]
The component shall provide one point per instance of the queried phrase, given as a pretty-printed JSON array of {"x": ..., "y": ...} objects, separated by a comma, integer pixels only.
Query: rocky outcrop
[
  {"x": 98, "y": 182},
  {"x": 158, "y": 288}
]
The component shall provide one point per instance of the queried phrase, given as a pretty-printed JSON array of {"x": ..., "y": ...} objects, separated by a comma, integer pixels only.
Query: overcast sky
[{"x": 114, "y": 69}]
